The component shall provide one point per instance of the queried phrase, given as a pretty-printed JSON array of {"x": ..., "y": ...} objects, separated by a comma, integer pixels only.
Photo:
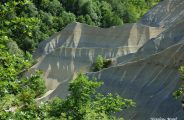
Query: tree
[
  {"x": 19, "y": 25},
  {"x": 85, "y": 103},
  {"x": 17, "y": 93},
  {"x": 130, "y": 15},
  {"x": 28, "y": 22},
  {"x": 22, "y": 31},
  {"x": 51, "y": 6}
]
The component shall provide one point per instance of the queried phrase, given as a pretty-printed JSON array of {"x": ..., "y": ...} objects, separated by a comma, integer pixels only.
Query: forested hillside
[
  {"x": 30, "y": 21},
  {"x": 25, "y": 23}
]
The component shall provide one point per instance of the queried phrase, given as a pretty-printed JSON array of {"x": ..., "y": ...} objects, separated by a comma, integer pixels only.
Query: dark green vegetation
[
  {"x": 179, "y": 94},
  {"x": 101, "y": 63},
  {"x": 30, "y": 21},
  {"x": 17, "y": 93},
  {"x": 83, "y": 103},
  {"x": 24, "y": 24}
]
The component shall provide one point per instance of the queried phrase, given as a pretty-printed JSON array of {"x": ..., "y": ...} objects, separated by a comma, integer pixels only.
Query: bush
[{"x": 101, "y": 63}]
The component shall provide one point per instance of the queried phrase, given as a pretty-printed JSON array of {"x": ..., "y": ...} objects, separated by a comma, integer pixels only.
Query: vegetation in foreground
[{"x": 83, "y": 102}]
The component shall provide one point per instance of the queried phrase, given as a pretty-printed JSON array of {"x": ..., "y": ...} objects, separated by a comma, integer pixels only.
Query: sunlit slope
[
  {"x": 79, "y": 35},
  {"x": 170, "y": 36},
  {"x": 61, "y": 64},
  {"x": 76, "y": 47},
  {"x": 166, "y": 13}
]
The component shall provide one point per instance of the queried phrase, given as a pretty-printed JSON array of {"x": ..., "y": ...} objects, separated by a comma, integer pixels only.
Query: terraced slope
[
  {"x": 170, "y": 36},
  {"x": 149, "y": 82},
  {"x": 166, "y": 13},
  {"x": 77, "y": 35},
  {"x": 146, "y": 56},
  {"x": 75, "y": 49}
]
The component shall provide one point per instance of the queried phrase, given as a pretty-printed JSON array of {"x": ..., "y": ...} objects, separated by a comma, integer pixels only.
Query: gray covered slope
[
  {"x": 170, "y": 36},
  {"x": 145, "y": 60},
  {"x": 76, "y": 47},
  {"x": 150, "y": 82},
  {"x": 164, "y": 14},
  {"x": 77, "y": 35}
]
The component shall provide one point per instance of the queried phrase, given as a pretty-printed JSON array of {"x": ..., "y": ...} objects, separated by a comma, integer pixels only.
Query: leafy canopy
[
  {"x": 29, "y": 22},
  {"x": 85, "y": 103}
]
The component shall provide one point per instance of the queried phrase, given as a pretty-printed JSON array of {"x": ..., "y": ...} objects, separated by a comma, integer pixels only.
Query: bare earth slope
[
  {"x": 79, "y": 35},
  {"x": 146, "y": 57},
  {"x": 164, "y": 14},
  {"x": 149, "y": 82},
  {"x": 75, "y": 49}
]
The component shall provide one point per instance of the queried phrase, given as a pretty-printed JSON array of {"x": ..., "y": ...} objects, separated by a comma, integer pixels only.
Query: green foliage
[
  {"x": 85, "y": 103},
  {"x": 29, "y": 22},
  {"x": 17, "y": 93},
  {"x": 179, "y": 94},
  {"x": 101, "y": 63},
  {"x": 54, "y": 107},
  {"x": 12, "y": 65},
  {"x": 22, "y": 30},
  {"x": 35, "y": 83},
  {"x": 20, "y": 25}
]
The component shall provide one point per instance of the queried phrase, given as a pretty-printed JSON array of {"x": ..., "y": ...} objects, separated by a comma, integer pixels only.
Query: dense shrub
[{"x": 101, "y": 63}]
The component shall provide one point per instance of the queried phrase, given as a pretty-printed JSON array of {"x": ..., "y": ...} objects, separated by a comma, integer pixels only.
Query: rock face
[{"x": 147, "y": 56}]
